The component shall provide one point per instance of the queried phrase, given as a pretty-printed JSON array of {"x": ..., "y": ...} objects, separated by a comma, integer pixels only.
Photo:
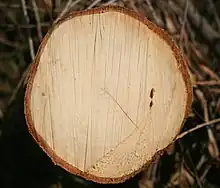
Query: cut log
[{"x": 108, "y": 92}]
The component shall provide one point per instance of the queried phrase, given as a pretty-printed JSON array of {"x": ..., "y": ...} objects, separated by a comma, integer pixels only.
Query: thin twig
[
  {"x": 215, "y": 90},
  {"x": 208, "y": 83},
  {"x": 18, "y": 6},
  {"x": 154, "y": 169},
  {"x": 202, "y": 160},
  {"x": 182, "y": 31},
  {"x": 217, "y": 110},
  {"x": 64, "y": 11},
  {"x": 19, "y": 85},
  {"x": 110, "y": 2},
  {"x": 131, "y": 5},
  {"x": 197, "y": 127},
  {"x": 94, "y": 4},
  {"x": 74, "y": 3},
  {"x": 210, "y": 72},
  {"x": 207, "y": 169},
  {"x": 25, "y": 26},
  {"x": 37, "y": 17},
  {"x": 158, "y": 21},
  {"x": 8, "y": 42},
  {"x": 212, "y": 147},
  {"x": 195, "y": 173},
  {"x": 67, "y": 8},
  {"x": 215, "y": 13},
  {"x": 30, "y": 41}
]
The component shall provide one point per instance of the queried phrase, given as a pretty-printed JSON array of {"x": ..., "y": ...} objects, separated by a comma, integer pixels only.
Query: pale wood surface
[{"x": 107, "y": 94}]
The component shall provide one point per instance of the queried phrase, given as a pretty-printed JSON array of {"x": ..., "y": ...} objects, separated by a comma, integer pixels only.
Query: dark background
[{"x": 192, "y": 161}]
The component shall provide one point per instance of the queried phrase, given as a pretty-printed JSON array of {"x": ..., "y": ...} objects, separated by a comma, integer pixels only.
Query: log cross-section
[{"x": 107, "y": 92}]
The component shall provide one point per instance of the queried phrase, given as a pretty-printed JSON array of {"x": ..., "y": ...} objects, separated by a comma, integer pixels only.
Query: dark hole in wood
[
  {"x": 151, "y": 104},
  {"x": 152, "y": 93}
]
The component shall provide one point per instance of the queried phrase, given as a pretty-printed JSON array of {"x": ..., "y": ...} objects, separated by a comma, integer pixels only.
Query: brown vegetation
[{"x": 192, "y": 161}]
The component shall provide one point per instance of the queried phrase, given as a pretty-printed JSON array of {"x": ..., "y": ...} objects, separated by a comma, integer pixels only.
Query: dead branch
[
  {"x": 30, "y": 40},
  {"x": 37, "y": 17}
]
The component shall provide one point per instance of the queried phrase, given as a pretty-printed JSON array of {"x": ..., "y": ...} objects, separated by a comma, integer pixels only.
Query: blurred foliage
[{"x": 192, "y": 161}]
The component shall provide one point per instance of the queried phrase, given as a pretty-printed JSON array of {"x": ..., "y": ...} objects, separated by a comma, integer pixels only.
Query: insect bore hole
[
  {"x": 151, "y": 96},
  {"x": 151, "y": 104},
  {"x": 152, "y": 91}
]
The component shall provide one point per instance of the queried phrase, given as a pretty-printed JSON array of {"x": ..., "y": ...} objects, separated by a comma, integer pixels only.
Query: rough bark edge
[{"x": 182, "y": 65}]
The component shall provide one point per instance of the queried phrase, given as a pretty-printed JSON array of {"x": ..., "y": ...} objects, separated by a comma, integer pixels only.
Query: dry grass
[{"x": 193, "y": 161}]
